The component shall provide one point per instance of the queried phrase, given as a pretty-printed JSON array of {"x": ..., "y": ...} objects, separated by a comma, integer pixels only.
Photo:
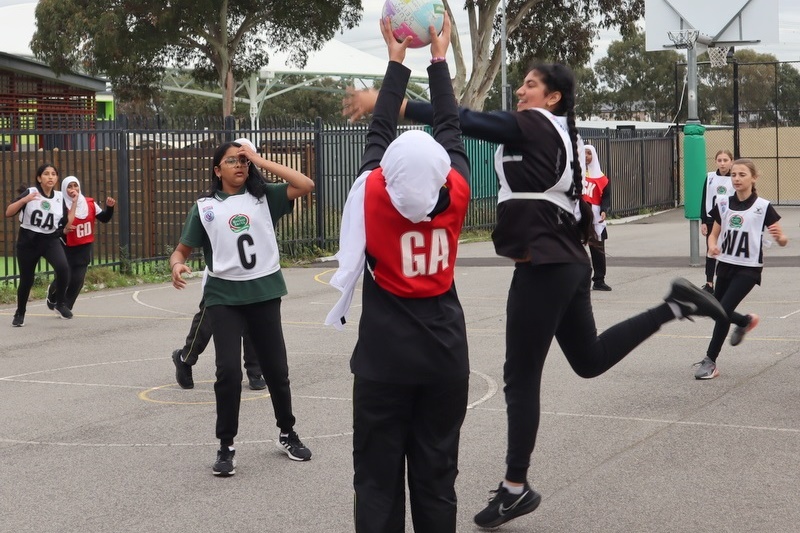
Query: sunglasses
[{"x": 233, "y": 161}]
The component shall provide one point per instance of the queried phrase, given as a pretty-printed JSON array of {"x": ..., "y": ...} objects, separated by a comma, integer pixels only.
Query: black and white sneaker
[
  {"x": 694, "y": 301},
  {"x": 51, "y": 303},
  {"x": 19, "y": 320},
  {"x": 504, "y": 506},
  {"x": 225, "y": 465},
  {"x": 183, "y": 372},
  {"x": 63, "y": 311},
  {"x": 291, "y": 446}
]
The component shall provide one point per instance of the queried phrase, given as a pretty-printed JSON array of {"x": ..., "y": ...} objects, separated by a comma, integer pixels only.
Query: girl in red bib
[{"x": 79, "y": 236}]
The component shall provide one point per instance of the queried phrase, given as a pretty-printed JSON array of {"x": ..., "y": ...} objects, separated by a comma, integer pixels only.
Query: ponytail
[{"x": 560, "y": 78}]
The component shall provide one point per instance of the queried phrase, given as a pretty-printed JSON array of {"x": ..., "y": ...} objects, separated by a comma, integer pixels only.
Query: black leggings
[
  {"x": 549, "y": 301},
  {"x": 730, "y": 292},
  {"x": 28, "y": 256},
  {"x": 229, "y": 323},
  {"x": 78, "y": 258}
]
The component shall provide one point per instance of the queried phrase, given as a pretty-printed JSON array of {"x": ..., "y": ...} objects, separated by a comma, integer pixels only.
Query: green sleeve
[
  {"x": 278, "y": 201},
  {"x": 193, "y": 234}
]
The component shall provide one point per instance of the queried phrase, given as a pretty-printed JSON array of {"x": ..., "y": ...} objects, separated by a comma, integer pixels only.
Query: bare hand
[
  {"x": 110, "y": 202},
  {"x": 177, "y": 269},
  {"x": 32, "y": 197},
  {"x": 703, "y": 229},
  {"x": 713, "y": 251},
  {"x": 397, "y": 50},
  {"x": 777, "y": 234},
  {"x": 358, "y": 104},
  {"x": 441, "y": 42},
  {"x": 602, "y": 216}
]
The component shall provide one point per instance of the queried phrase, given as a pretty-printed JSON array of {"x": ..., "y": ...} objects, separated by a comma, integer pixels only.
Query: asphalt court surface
[{"x": 96, "y": 435}]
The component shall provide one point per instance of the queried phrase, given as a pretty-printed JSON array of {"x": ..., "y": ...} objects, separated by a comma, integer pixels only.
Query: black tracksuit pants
[
  {"x": 199, "y": 336},
  {"x": 554, "y": 301},
  {"x": 730, "y": 292},
  {"x": 31, "y": 247},
  {"x": 399, "y": 428},
  {"x": 229, "y": 323}
]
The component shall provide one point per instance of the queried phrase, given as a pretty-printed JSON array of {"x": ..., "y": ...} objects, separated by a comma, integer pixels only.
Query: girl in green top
[{"x": 234, "y": 224}]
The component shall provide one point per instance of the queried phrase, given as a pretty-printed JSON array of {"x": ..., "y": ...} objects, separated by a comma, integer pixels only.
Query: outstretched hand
[
  {"x": 358, "y": 104},
  {"x": 397, "y": 50},
  {"x": 441, "y": 42}
]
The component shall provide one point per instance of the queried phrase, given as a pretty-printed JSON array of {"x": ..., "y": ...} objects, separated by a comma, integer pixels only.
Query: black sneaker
[
  {"x": 51, "y": 305},
  {"x": 63, "y": 310},
  {"x": 291, "y": 445},
  {"x": 708, "y": 288},
  {"x": 225, "y": 465},
  {"x": 601, "y": 286},
  {"x": 183, "y": 372},
  {"x": 19, "y": 320},
  {"x": 739, "y": 331},
  {"x": 504, "y": 506},
  {"x": 257, "y": 382},
  {"x": 694, "y": 301}
]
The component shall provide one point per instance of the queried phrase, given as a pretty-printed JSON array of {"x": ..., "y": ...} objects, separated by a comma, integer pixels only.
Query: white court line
[
  {"x": 491, "y": 389},
  {"x": 138, "y": 301},
  {"x": 159, "y": 444},
  {"x": 790, "y": 314},
  {"x": 661, "y": 421}
]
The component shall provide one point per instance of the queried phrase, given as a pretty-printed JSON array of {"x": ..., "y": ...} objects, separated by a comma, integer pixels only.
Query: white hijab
[
  {"x": 594, "y": 166},
  {"x": 82, "y": 209},
  {"x": 415, "y": 168}
]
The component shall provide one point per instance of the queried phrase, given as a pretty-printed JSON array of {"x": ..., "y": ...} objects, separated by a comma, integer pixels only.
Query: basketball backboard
[{"x": 719, "y": 22}]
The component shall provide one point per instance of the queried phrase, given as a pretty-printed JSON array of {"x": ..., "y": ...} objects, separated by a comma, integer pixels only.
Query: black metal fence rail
[{"x": 157, "y": 168}]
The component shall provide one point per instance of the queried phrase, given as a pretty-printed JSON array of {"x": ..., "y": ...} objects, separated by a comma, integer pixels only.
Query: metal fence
[{"x": 156, "y": 169}]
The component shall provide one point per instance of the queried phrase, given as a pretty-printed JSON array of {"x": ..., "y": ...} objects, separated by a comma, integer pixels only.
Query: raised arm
[
  {"x": 383, "y": 126},
  {"x": 299, "y": 184},
  {"x": 446, "y": 125}
]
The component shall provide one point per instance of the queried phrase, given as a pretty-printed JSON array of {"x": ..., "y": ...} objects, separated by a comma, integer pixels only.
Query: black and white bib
[
  {"x": 740, "y": 238},
  {"x": 242, "y": 237},
  {"x": 44, "y": 214}
]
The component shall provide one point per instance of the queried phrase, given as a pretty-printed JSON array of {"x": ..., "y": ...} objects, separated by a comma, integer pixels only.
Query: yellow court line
[
  {"x": 318, "y": 279},
  {"x": 145, "y": 396}
]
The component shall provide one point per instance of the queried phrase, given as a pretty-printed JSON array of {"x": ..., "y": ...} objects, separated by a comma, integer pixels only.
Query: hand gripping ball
[{"x": 413, "y": 17}]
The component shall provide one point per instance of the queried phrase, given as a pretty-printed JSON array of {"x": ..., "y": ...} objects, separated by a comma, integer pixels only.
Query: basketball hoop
[
  {"x": 718, "y": 55},
  {"x": 683, "y": 39}
]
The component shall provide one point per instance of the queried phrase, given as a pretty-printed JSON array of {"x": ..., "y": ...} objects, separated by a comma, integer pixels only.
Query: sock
[{"x": 513, "y": 489}]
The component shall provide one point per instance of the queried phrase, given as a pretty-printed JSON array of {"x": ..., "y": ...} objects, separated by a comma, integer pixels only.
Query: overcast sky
[{"x": 17, "y": 25}]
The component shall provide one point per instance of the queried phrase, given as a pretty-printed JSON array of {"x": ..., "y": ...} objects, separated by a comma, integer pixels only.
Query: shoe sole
[
  {"x": 17, "y": 325},
  {"x": 714, "y": 374},
  {"x": 685, "y": 291},
  {"x": 224, "y": 474},
  {"x": 516, "y": 513},
  {"x": 289, "y": 454}
]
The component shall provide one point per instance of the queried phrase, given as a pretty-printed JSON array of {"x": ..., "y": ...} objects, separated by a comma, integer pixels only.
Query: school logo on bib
[
  {"x": 239, "y": 223},
  {"x": 45, "y": 205},
  {"x": 722, "y": 190},
  {"x": 736, "y": 221}
]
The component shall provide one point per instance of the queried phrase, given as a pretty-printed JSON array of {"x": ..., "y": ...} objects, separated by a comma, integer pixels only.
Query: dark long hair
[
  {"x": 44, "y": 166},
  {"x": 560, "y": 78},
  {"x": 255, "y": 182}
]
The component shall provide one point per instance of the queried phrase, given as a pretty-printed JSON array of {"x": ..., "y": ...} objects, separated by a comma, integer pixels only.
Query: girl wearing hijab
[
  {"x": 79, "y": 236},
  {"x": 42, "y": 217},
  {"x": 543, "y": 225},
  {"x": 597, "y": 193},
  {"x": 400, "y": 229}
]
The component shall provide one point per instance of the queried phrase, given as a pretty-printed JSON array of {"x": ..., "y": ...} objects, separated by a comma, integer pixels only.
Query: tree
[
  {"x": 133, "y": 41},
  {"x": 639, "y": 81},
  {"x": 556, "y": 30}
]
